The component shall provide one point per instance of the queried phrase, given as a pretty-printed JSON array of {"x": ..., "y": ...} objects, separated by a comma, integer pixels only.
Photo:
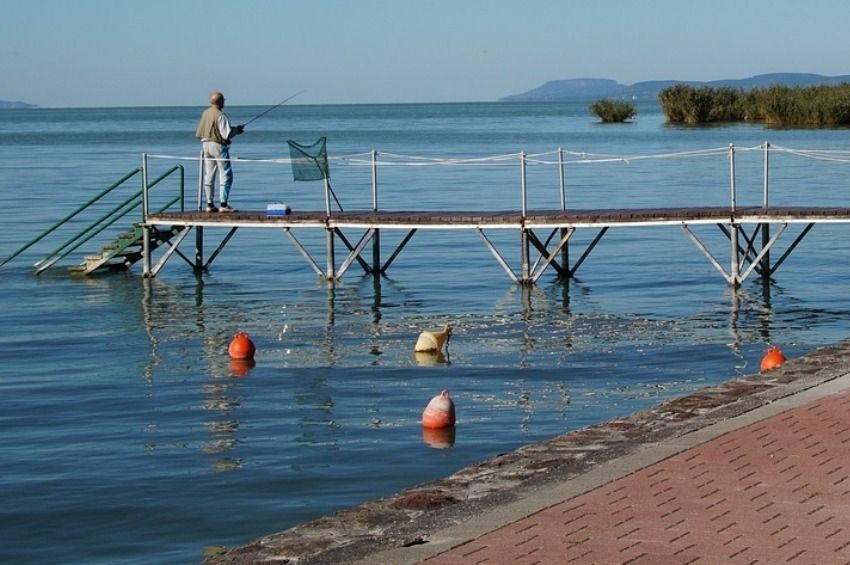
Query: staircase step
[{"x": 125, "y": 251}]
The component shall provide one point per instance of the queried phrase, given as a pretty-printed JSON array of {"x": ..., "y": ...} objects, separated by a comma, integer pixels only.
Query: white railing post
[
  {"x": 733, "y": 196},
  {"x": 562, "y": 183},
  {"x": 734, "y": 268},
  {"x": 201, "y": 180},
  {"x": 765, "y": 227},
  {"x": 144, "y": 186},
  {"x": 327, "y": 198},
  {"x": 523, "y": 186},
  {"x": 374, "y": 180},
  {"x": 525, "y": 276},
  {"x": 376, "y": 238},
  {"x": 146, "y": 234},
  {"x": 766, "y": 173}
]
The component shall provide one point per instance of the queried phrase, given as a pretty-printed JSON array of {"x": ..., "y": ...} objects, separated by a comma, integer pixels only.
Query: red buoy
[
  {"x": 241, "y": 347},
  {"x": 772, "y": 359},
  {"x": 440, "y": 412}
]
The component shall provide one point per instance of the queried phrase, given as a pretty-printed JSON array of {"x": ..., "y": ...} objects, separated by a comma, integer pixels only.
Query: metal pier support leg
[
  {"x": 525, "y": 274},
  {"x": 199, "y": 249},
  {"x": 734, "y": 268},
  {"x": 173, "y": 248},
  {"x": 376, "y": 252},
  {"x": 397, "y": 251},
  {"x": 146, "y": 251},
  {"x": 765, "y": 260},
  {"x": 496, "y": 254},
  {"x": 565, "y": 254},
  {"x": 715, "y": 263},
  {"x": 331, "y": 267}
]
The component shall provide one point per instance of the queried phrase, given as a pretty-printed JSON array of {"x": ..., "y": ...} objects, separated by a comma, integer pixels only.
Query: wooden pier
[
  {"x": 741, "y": 226},
  {"x": 543, "y": 234}
]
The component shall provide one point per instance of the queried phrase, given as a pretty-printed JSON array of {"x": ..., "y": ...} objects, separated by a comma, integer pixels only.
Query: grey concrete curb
[{"x": 427, "y": 519}]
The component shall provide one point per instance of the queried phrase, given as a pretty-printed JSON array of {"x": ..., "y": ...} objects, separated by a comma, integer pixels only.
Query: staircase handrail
[
  {"x": 73, "y": 214},
  {"x": 51, "y": 257},
  {"x": 108, "y": 219}
]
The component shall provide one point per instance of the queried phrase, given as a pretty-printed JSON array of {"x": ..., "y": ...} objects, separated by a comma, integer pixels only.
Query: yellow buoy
[{"x": 433, "y": 341}]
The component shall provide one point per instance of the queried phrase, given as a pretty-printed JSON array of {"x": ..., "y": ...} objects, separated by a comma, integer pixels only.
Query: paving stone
[
  {"x": 730, "y": 500},
  {"x": 754, "y": 470}
]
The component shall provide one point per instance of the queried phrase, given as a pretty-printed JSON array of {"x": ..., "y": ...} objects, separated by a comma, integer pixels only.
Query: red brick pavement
[{"x": 776, "y": 491}]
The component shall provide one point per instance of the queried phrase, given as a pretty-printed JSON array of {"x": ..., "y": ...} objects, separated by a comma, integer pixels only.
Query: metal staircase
[
  {"x": 123, "y": 252},
  {"x": 128, "y": 247}
]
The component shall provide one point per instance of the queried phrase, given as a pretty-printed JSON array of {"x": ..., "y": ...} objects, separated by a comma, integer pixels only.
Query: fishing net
[{"x": 309, "y": 162}]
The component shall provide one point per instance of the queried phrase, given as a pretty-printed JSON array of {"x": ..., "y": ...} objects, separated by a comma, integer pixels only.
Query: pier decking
[{"x": 509, "y": 219}]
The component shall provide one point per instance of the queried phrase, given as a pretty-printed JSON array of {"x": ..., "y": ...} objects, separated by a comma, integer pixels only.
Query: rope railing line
[
  {"x": 388, "y": 159},
  {"x": 398, "y": 160},
  {"x": 511, "y": 158},
  {"x": 448, "y": 160},
  {"x": 630, "y": 159},
  {"x": 274, "y": 160},
  {"x": 759, "y": 147},
  {"x": 445, "y": 163},
  {"x": 585, "y": 156},
  {"x": 833, "y": 155}
]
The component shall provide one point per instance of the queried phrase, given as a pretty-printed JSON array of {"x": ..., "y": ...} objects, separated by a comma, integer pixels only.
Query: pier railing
[
  {"x": 526, "y": 186},
  {"x": 556, "y": 180},
  {"x": 560, "y": 191}
]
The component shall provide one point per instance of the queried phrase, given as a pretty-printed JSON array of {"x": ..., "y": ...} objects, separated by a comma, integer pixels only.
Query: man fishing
[{"x": 215, "y": 133}]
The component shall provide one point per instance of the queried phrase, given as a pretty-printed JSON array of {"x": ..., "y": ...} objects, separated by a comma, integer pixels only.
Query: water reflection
[
  {"x": 431, "y": 358},
  {"x": 241, "y": 367},
  {"x": 164, "y": 312},
  {"x": 439, "y": 438},
  {"x": 222, "y": 404},
  {"x": 744, "y": 304},
  {"x": 374, "y": 322}
]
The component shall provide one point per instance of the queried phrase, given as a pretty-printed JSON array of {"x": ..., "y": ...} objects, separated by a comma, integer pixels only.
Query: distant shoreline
[
  {"x": 7, "y": 105},
  {"x": 594, "y": 88}
]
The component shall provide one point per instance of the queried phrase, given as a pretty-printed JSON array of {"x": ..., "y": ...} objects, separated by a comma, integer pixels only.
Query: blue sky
[{"x": 59, "y": 53}]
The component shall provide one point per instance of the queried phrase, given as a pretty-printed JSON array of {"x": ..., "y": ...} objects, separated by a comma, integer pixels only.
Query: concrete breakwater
[{"x": 407, "y": 526}]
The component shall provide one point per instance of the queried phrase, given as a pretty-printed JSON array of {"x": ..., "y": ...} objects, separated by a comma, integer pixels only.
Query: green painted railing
[{"x": 102, "y": 223}]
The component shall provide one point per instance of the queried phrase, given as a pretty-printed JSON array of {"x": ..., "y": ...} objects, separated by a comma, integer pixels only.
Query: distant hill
[
  {"x": 5, "y": 104},
  {"x": 587, "y": 88}
]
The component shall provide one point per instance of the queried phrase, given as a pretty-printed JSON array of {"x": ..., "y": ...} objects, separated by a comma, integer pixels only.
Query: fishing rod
[{"x": 281, "y": 103}]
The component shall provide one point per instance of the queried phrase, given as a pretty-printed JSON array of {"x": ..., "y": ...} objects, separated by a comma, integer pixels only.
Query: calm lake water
[{"x": 129, "y": 438}]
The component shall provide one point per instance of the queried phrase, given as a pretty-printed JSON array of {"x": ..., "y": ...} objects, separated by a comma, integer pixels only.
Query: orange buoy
[
  {"x": 772, "y": 359},
  {"x": 241, "y": 347},
  {"x": 433, "y": 341},
  {"x": 439, "y": 438},
  {"x": 440, "y": 412}
]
